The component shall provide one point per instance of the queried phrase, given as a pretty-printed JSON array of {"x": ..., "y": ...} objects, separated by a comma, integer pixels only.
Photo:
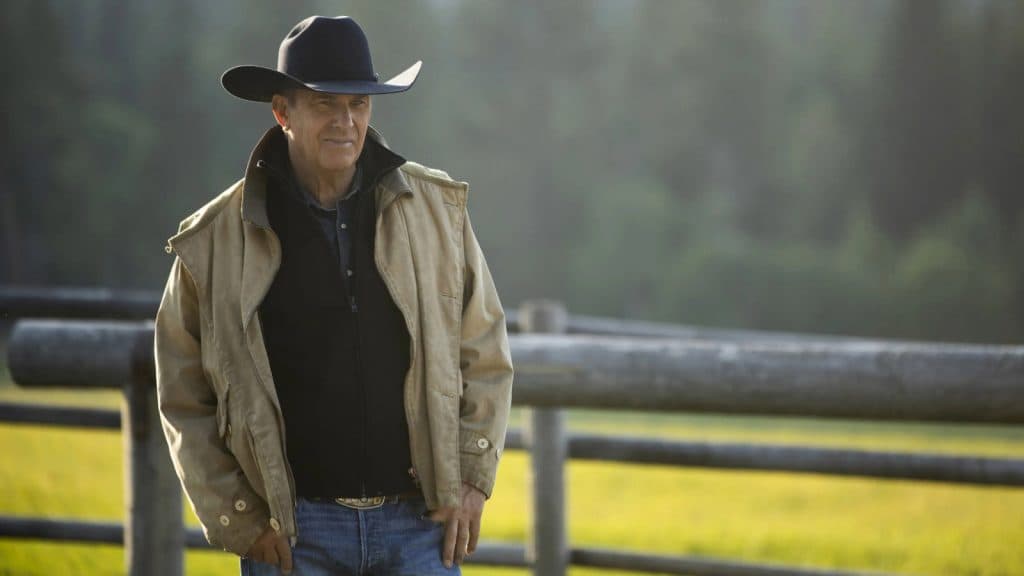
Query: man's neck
[{"x": 327, "y": 188}]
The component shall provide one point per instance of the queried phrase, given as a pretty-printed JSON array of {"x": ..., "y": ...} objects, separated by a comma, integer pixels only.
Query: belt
[{"x": 367, "y": 502}]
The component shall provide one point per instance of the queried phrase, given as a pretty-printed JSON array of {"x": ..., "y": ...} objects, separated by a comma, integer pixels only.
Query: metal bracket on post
[{"x": 548, "y": 549}]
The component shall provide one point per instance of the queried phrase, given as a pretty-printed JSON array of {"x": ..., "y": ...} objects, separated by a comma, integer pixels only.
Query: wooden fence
[{"x": 561, "y": 362}]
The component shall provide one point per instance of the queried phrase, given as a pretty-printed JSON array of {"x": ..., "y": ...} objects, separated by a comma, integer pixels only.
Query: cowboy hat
[{"x": 321, "y": 54}]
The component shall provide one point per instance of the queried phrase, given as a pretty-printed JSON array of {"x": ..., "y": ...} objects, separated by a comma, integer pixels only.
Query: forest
[{"x": 801, "y": 165}]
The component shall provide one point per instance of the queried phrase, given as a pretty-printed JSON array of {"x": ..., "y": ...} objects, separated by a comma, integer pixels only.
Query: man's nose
[{"x": 343, "y": 118}]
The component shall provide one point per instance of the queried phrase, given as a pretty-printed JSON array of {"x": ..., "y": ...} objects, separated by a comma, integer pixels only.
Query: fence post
[
  {"x": 548, "y": 549},
  {"x": 93, "y": 354},
  {"x": 154, "y": 530}
]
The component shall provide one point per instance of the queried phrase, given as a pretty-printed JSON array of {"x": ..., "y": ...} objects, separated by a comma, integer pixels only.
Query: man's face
[{"x": 326, "y": 131}]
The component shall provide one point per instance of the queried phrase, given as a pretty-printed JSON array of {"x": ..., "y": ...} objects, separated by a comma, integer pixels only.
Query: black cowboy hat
[{"x": 321, "y": 54}]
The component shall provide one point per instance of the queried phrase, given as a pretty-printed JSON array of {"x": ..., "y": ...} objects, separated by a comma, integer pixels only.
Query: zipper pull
[{"x": 352, "y": 303}]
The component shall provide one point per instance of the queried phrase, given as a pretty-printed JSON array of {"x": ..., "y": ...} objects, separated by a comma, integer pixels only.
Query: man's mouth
[{"x": 339, "y": 141}]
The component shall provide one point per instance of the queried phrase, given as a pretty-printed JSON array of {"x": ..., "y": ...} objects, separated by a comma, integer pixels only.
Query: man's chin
[{"x": 337, "y": 164}]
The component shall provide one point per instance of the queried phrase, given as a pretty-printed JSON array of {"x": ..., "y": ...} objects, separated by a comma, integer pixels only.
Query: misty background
[{"x": 814, "y": 166}]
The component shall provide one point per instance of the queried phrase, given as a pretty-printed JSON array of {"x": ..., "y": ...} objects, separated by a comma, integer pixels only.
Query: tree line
[{"x": 828, "y": 166}]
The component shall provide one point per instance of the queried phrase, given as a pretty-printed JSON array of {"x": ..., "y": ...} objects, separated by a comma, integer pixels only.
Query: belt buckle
[{"x": 362, "y": 503}]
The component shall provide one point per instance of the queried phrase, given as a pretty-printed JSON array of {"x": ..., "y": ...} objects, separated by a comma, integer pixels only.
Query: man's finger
[
  {"x": 284, "y": 552},
  {"x": 460, "y": 544},
  {"x": 451, "y": 532},
  {"x": 270, "y": 556},
  {"x": 474, "y": 536}
]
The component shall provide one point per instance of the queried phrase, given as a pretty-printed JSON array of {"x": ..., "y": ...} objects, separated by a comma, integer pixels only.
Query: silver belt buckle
[{"x": 361, "y": 503}]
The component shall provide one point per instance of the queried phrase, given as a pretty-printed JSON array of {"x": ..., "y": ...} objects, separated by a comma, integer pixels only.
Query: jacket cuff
[
  {"x": 478, "y": 461},
  {"x": 240, "y": 539},
  {"x": 239, "y": 524}
]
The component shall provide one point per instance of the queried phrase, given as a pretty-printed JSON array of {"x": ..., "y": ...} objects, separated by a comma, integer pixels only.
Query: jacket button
[
  {"x": 240, "y": 505},
  {"x": 168, "y": 249},
  {"x": 482, "y": 443},
  {"x": 224, "y": 520},
  {"x": 275, "y": 524}
]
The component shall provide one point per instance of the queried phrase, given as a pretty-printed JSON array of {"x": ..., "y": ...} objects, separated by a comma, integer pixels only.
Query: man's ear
[{"x": 279, "y": 106}]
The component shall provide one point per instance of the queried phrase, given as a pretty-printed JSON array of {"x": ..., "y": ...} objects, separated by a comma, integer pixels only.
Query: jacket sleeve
[
  {"x": 231, "y": 513},
  {"x": 486, "y": 366}
]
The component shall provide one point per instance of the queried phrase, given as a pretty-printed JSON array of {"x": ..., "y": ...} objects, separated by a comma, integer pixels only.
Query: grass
[{"x": 798, "y": 519}]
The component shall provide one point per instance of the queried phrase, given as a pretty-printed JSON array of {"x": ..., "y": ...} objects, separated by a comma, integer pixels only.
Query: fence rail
[
  {"x": 869, "y": 380},
  {"x": 56, "y": 302},
  {"x": 108, "y": 304},
  {"x": 18, "y": 413},
  {"x": 712, "y": 371},
  {"x": 487, "y": 553},
  {"x": 860, "y": 380},
  {"x": 653, "y": 451},
  {"x": 67, "y": 530}
]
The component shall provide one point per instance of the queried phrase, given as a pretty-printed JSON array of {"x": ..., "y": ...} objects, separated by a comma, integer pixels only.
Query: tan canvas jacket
[{"x": 216, "y": 393}]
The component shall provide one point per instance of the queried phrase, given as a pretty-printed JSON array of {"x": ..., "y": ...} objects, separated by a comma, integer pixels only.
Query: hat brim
[{"x": 259, "y": 84}]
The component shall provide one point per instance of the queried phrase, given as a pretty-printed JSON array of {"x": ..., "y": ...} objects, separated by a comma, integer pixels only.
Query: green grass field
[{"x": 809, "y": 520}]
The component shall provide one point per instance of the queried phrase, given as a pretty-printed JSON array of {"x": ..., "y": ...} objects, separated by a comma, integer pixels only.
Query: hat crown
[{"x": 320, "y": 49}]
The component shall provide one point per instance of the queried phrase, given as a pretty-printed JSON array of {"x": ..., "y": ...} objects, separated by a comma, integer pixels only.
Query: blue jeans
[{"x": 394, "y": 539}]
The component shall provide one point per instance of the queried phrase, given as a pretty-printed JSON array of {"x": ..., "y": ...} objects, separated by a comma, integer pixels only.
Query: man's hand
[
  {"x": 272, "y": 549},
  {"x": 462, "y": 525}
]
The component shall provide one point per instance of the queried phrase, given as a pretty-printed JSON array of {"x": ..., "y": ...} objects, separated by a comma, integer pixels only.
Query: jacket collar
[{"x": 269, "y": 159}]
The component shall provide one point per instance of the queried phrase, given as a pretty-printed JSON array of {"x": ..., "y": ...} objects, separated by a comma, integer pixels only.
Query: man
[{"x": 333, "y": 369}]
